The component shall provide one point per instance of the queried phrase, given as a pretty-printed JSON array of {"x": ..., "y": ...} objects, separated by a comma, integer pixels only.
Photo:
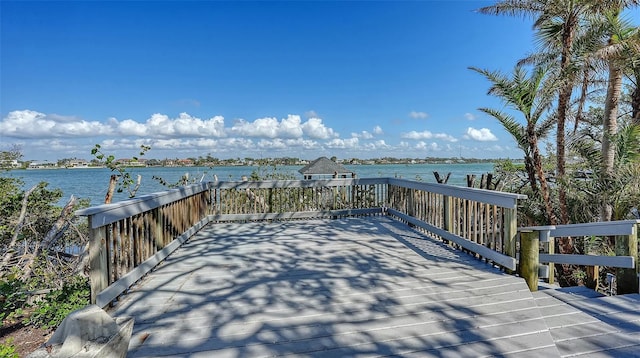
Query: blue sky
[{"x": 254, "y": 79}]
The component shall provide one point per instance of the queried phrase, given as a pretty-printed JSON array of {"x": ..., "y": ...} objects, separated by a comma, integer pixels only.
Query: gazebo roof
[{"x": 323, "y": 166}]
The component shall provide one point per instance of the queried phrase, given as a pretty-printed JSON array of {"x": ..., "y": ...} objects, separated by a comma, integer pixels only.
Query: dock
[
  {"x": 374, "y": 267},
  {"x": 330, "y": 288}
]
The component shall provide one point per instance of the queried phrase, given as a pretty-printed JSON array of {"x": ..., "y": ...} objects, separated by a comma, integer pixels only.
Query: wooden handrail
[
  {"x": 129, "y": 238},
  {"x": 626, "y": 249}
]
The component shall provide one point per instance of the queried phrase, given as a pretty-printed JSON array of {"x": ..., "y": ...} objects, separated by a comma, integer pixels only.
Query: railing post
[
  {"x": 98, "y": 275},
  {"x": 551, "y": 249},
  {"x": 448, "y": 213},
  {"x": 592, "y": 280},
  {"x": 447, "y": 217},
  {"x": 529, "y": 258},
  {"x": 158, "y": 228},
  {"x": 510, "y": 230},
  {"x": 627, "y": 279}
]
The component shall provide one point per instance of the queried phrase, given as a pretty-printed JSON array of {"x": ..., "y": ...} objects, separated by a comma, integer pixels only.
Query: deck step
[{"x": 585, "y": 323}]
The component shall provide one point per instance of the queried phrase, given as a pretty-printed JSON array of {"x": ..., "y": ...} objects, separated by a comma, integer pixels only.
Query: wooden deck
[
  {"x": 584, "y": 323},
  {"x": 333, "y": 288}
]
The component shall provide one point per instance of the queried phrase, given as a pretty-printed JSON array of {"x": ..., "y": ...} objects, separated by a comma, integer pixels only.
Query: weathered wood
[
  {"x": 593, "y": 277},
  {"x": 510, "y": 230},
  {"x": 604, "y": 228},
  {"x": 529, "y": 259},
  {"x": 502, "y": 199},
  {"x": 18, "y": 228},
  {"x": 339, "y": 288},
  {"x": 441, "y": 180},
  {"x": 98, "y": 269},
  {"x": 117, "y": 288},
  {"x": 500, "y": 259},
  {"x": 589, "y": 260},
  {"x": 627, "y": 278},
  {"x": 471, "y": 180},
  {"x": 551, "y": 249}
]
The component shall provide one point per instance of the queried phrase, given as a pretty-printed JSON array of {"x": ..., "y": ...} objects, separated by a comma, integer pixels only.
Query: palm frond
[{"x": 517, "y": 130}]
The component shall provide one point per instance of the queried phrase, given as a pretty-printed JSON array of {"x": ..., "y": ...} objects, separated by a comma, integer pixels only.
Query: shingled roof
[{"x": 324, "y": 166}]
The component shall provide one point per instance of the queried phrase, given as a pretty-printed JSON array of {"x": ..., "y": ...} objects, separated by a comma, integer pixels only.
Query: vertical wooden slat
[
  {"x": 510, "y": 231},
  {"x": 627, "y": 279},
  {"x": 551, "y": 249},
  {"x": 97, "y": 260}
]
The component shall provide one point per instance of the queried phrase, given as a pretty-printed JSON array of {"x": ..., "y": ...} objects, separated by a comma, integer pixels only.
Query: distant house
[
  {"x": 324, "y": 167},
  {"x": 77, "y": 163},
  {"x": 12, "y": 163},
  {"x": 42, "y": 165}
]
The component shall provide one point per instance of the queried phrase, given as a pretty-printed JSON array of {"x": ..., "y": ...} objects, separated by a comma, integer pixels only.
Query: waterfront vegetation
[
  {"x": 211, "y": 162},
  {"x": 582, "y": 85}
]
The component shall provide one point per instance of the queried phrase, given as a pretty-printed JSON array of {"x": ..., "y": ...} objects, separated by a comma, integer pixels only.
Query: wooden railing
[
  {"x": 291, "y": 199},
  {"x": 482, "y": 222},
  {"x": 623, "y": 233},
  {"x": 129, "y": 238}
]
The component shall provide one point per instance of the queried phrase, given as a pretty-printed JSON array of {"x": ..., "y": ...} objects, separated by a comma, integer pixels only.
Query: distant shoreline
[{"x": 447, "y": 161}]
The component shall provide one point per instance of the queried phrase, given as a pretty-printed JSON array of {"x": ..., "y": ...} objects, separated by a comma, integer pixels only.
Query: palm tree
[
  {"x": 622, "y": 189},
  {"x": 622, "y": 39},
  {"x": 558, "y": 22},
  {"x": 530, "y": 96}
]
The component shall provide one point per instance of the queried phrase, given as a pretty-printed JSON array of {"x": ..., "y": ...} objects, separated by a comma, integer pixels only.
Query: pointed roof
[{"x": 323, "y": 166}]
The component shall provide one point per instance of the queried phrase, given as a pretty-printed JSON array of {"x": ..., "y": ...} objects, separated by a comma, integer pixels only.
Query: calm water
[{"x": 92, "y": 183}]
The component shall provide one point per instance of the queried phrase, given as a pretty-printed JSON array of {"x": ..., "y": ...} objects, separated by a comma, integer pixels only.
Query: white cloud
[
  {"x": 417, "y": 135},
  {"x": 428, "y": 135},
  {"x": 32, "y": 124},
  {"x": 481, "y": 135},
  {"x": 290, "y": 127},
  {"x": 469, "y": 116},
  {"x": 418, "y": 115},
  {"x": 314, "y": 128},
  {"x": 272, "y": 144},
  {"x": 339, "y": 143},
  {"x": 363, "y": 135},
  {"x": 56, "y": 136},
  {"x": 445, "y": 137},
  {"x": 379, "y": 144},
  {"x": 132, "y": 127}
]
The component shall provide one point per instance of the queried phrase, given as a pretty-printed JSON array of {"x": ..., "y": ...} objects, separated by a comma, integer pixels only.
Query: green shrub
[
  {"x": 8, "y": 350},
  {"x": 56, "y": 305},
  {"x": 12, "y": 297}
]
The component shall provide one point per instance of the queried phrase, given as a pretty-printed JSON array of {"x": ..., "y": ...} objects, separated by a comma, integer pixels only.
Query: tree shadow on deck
[{"x": 349, "y": 287}]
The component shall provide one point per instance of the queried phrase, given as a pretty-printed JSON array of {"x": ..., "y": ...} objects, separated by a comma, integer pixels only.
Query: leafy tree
[
  {"x": 557, "y": 23},
  {"x": 622, "y": 38},
  {"x": 530, "y": 95},
  {"x": 122, "y": 180},
  {"x": 34, "y": 239}
]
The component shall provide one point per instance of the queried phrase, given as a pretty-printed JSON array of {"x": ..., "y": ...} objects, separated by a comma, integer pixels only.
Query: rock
[{"x": 88, "y": 332}]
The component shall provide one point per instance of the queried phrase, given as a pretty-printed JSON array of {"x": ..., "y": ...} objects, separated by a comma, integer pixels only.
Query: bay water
[{"x": 92, "y": 183}]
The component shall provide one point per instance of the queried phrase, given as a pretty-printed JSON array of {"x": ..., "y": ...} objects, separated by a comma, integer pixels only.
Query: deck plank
[
  {"x": 325, "y": 288},
  {"x": 586, "y": 324}
]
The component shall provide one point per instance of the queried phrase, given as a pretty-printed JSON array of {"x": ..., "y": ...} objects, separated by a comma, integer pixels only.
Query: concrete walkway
[{"x": 364, "y": 287}]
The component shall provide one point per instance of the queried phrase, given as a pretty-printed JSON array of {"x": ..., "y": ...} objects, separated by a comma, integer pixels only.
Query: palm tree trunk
[
  {"x": 609, "y": 130},
  {"x": 564, "y": 101},
  {"x": 531, "y": 173},
  {"x": 635, "y": 101},
  {"x": 544, "y": 187}
]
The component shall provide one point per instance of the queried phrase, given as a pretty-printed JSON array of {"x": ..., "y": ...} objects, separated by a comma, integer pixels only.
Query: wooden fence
[
  {"x": 129, "y": 238},
  {"x": 624, "y": 257}
]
